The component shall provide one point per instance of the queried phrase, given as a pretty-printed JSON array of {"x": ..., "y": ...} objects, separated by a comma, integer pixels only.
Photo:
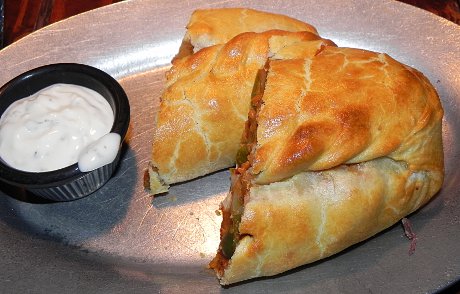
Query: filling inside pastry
[
  {"x": 186, "y": 48},
  {"x": 233, "y": 205},
  {"x": 189, "y": 46}
]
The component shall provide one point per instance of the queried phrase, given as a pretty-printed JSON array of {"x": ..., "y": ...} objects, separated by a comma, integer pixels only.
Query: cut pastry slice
[
  {"x": 207, "y": 98},
  {"x": 340, "y": 146},
  {"x": 208, "y": 27}
]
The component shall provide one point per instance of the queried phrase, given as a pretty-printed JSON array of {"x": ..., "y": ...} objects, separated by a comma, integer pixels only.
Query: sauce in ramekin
[{"x": 49, "y": 129}]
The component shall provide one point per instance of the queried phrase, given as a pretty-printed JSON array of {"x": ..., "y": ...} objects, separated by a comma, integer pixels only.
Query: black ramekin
[{"x": 67, "y": 183}]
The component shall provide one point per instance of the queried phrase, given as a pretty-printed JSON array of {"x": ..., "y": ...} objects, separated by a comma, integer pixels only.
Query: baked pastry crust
[
  {"x": 348, "y": 143},
  {"x": 204, "y": 107},
  {"x": 208, "y": 27},
  {"x": 350, "y": 106}
]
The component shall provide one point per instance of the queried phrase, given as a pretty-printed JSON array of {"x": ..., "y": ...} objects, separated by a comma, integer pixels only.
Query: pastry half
[
  {"x": 209, "y": 27},
  {"x": 205, "y": 104},
  {"x": 336, "y": 148}
]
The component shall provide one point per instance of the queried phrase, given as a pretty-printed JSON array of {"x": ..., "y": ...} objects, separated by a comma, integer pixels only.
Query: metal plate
[{"x": 119, "y": 240}]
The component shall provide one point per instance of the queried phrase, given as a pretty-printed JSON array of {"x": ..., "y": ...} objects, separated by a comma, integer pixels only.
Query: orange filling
[{"x": 232, "y": 210}]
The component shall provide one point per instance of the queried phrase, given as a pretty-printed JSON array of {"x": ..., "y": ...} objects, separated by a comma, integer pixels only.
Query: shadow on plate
[
  {"x": 75, "y": 221},
  {"x": 194, "y": 190}
]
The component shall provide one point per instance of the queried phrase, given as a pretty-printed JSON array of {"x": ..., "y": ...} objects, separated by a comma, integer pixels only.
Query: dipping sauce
[
  {"x": 99, "y": 153},
  {"x": 49, "y": 129}
]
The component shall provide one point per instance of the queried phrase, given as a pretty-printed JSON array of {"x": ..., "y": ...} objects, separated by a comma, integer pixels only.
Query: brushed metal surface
[{"x": 120, "y": 239}]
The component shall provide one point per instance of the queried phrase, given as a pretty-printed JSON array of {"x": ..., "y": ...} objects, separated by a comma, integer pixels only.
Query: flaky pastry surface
[
  {"x": 208, "y": 27},
  {"x": 206, "y": 102},
  {"x": 348, "y": 143},
  {"x": 349, "y": 106}
]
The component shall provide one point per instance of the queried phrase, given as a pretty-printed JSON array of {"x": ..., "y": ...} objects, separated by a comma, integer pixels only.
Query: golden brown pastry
[
  {"x": 341, "y": 146},
  {"x": 208, "y": 27},
  {"x": 205, "y": 105}
]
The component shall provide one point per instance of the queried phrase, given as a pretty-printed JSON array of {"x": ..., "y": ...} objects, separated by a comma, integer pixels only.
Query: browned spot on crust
[{"x": 306, "y": 144}]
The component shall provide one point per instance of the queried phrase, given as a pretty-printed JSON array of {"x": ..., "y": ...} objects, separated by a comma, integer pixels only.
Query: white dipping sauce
[
  {"x": 99, "y": 153},
  {"x": 49, "y": 129}
]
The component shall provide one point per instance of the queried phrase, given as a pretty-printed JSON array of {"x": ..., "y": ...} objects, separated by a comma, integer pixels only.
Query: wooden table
[{"x": 25, "y": 16}]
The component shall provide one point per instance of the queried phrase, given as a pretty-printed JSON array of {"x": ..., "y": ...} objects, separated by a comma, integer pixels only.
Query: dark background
[{"x": 25, "y": 16}]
